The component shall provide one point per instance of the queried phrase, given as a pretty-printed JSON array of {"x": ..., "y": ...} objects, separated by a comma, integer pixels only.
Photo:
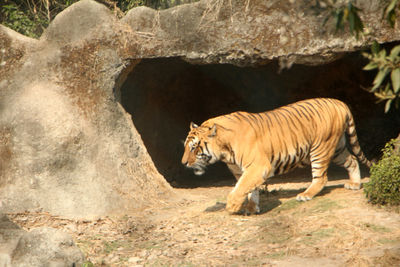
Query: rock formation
[
  {"x": 39, "y": 247},
  {"x": 68, "y": 146}
]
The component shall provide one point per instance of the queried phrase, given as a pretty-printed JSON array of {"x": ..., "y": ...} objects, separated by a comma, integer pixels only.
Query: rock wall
[
  {"x": 68, "y": 146},
  {"x": 252, "y": 32}
]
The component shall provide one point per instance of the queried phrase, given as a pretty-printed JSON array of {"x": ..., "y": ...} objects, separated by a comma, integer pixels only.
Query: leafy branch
[
  {"x": 390, "y": 12},
  {"x": 348, "y": 14},
  {"x": 385, "y": 87},
  {"x": 342, "y": 14}
]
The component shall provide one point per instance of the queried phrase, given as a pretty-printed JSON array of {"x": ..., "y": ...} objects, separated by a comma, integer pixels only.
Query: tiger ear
[
  {"x": 193, "y": 125},
  {"x": 213, "y": 131}
]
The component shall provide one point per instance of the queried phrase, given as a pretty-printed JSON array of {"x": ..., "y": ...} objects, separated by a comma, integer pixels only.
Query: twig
[
  {"x": 247, "y": 6},
  {"x": 48, "y": 10}
]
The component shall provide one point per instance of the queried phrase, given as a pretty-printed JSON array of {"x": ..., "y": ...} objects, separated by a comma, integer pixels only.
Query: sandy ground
[{"x": 336, "y": 228}]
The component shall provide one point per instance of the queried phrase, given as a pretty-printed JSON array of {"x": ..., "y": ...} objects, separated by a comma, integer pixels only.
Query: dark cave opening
[{"x": 165, "y": 95}]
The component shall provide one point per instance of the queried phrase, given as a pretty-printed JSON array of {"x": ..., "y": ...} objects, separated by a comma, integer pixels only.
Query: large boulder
[
  {"x": 39, "y": 247},
  {"x": 67, "y": 145}
]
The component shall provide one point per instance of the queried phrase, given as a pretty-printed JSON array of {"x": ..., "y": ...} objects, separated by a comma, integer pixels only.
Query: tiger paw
[
  {"x": 303, "y": 197},
  {"x": 234, "y": 204},
  {"x": 352, "y": 186},
  {"x": 251, "y": 207}
]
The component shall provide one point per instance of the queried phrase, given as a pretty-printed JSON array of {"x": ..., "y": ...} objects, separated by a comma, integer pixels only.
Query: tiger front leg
[
  {"x": 252, "y": 205},
  {"x": 245, "y": 188}
]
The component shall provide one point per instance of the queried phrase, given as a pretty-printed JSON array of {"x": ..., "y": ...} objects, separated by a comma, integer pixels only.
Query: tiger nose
[{"x": 184, "y": 162}]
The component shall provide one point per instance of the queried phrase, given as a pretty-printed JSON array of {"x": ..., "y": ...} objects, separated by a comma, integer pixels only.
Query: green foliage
[
  {"x": 390, "y": 12},
  {"x": 348, "y": 14},
  {"x": 164, "y": 4},
  {"x": 375, "y": 228},
  {"x": 324, "y": 205},
  {"x": 385, "y": 87},
  {"x": 384, "y": 185},
  {"x": 87, "y": 264},
  {"x": 342, "y": 14},
  {"x": 288, "y": 205},
  {"x": 14, "y": 16},
  {"x": 31, "y": 17},
  {"x": 129, "y": 4}
]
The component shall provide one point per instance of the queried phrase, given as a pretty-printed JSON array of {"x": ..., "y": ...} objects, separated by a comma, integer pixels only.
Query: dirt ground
[{"x": 336, "y": 228}]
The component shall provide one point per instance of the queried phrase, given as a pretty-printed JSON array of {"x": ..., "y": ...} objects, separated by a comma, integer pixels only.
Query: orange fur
[{"x": 257, "y": 146}]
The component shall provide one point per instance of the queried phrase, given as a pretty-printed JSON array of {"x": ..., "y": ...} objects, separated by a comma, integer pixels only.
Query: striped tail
[{"x": 353, "y": 140}]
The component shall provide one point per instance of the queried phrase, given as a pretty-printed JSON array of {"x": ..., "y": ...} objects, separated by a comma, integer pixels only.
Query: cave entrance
[{"x": 165, "y": 95}]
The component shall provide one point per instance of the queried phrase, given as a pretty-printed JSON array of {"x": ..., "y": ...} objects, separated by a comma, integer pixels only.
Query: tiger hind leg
[
  {"x": 316, "y": 186},
  {"x": 320, "y": 158},
  {"x": 349, "y": 162}
]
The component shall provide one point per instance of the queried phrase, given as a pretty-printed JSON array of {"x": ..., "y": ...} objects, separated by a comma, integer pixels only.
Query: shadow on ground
[{"x": 270, "y": 200}]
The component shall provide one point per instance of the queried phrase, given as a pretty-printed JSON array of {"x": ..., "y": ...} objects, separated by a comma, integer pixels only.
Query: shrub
[
  {"x": 384, "y": 185},
  {"x": 15, "y": 17}
]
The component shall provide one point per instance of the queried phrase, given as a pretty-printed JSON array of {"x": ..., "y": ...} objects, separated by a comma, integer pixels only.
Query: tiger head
[{"x": 199, "y": 147}]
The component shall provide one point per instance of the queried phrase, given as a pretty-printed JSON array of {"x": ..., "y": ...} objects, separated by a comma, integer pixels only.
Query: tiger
[{"x": 257, "y": 146}]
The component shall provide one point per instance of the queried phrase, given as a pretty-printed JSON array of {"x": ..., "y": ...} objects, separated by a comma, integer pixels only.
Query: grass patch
[
  {"x": 376, "y": 228},
  {"x": 316, "y": 236},
  {"x": 275, "y": 237},
  {"x": 277, "y": 255},
  {"x": 385, "y": 241},
  {"x": 275, "y": 230},
  {"x": 324, "y": 205},
  {"x": 85, "y": 245},
  {"x": 87, "y": 264},
  {"x": 288, "y": 205},
  {"x": 323, "y": 233},
  {"x": 109, "y": 247},
  {"x": 149, "y": 245}
]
